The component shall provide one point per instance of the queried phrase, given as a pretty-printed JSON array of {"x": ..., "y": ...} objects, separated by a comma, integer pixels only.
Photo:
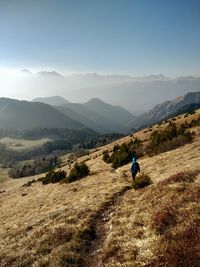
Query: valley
[{"x": 100, "y": 133}]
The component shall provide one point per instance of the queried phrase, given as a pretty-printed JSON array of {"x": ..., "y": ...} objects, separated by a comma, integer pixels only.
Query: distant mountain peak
[
  {"x": 49, "y": 74},
  {"x": 155, "y": 77},
  {"x": 166, "y": 109},
  {"x": 15, "y": 114},
  {"x": 52, "y": 100},
  {"x": 25, "y": 71},
  {"x": 95, "y": 100}
]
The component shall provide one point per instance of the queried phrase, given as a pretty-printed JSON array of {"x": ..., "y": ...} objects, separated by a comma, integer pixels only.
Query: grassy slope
[
  {"x": 99, "y": 220},
  {"x": 3, "y": 175}
]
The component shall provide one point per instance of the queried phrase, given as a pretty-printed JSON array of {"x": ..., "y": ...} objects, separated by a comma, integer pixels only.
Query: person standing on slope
[{"x": 135, "y": 167}]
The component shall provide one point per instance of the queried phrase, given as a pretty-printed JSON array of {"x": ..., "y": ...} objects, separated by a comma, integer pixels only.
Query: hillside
[
  {"x": 117, "y": 114},
  {"x": 83, "y": 115},
  {"x": 15, "y": 114},
  {"x": 101, "y": 221},
  {"x": 95, "y": 114},
  {"x": 166, "y": 109},
  {"x": 98, "y": 115}
]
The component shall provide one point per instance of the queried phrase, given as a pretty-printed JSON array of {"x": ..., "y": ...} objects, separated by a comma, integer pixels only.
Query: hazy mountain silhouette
[
  {"x": 136, "y": 94},
  {"x": 188, "y": 108},
  {"x": 96, "y": 114},
  {"x": 25, "y": 71},
  {"x": 52, "y": 100},
  {"x": 79, "y": 113},
  {"x": 117, "y": 114},
  {"x": 165, "y": 109},
  {"x": 23, "y": 114},
  {"x": 49, "y": 74}
]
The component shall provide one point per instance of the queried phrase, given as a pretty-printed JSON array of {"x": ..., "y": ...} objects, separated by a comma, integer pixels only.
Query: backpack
[{"x": 135, "y": 167}]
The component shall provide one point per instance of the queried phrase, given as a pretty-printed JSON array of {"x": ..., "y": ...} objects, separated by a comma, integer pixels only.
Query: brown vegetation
[{"x": 59, "y": 224}]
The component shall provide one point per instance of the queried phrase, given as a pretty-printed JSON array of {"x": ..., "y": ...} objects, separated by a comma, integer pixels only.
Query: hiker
[{"x": 135, "y": 167}]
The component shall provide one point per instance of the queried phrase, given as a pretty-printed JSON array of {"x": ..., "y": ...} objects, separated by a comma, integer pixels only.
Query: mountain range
[
  {"x": 95, "y": 114},
  {"x": 57, "y": 112},
  {"x": 136, "y": 94},
  {"x": 15, "y": 114},
  {"x": 181, "y": 104}
]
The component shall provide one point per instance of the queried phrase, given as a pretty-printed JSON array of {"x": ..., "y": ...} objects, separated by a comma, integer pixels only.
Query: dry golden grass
[
  {"x": 49, "y": 224},
  {"x": 99, "y": 220},
  {"x": 131, "y": 239}
]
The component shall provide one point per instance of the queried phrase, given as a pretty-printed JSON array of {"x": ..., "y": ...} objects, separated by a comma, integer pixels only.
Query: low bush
[
  {"x": 123, "y": 154},
  {"x": 169, "y": 138},
  {"x": 163, "y": 219},
  {"x": 141, "y": 181},
  {"x": 53, "y": 177},
  {"x": 106, "y": 156},
  {"x": 29, "y": 183},
  {"x": 195, "y": 122},
  {"x": 78, "y": 171}
]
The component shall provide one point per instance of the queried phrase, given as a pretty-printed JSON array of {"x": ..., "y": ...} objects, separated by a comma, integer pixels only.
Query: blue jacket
[{"x": 135, "y": 167}]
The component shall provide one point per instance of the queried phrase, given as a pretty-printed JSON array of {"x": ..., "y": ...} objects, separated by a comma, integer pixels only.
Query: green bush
[
  {"x": 141, "y": 181},
  {"x": 53, "y": 177},
  {"x": 106, "y": 156},
  {"x": 123, "y": 154},
  {"x": 169, "y": 138},
  {"x": 78, "y": 171}
]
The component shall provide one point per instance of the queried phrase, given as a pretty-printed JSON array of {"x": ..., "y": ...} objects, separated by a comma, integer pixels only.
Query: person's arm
[
  {"x": 132, "y": 167},
  {"x": 138, "y": 167}
]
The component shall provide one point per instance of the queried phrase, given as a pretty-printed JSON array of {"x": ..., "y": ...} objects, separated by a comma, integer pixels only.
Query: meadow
[{"x": 101, "y": 220}]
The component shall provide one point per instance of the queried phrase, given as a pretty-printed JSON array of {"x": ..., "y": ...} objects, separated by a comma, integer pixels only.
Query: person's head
[{"x": 134, "y": 158}]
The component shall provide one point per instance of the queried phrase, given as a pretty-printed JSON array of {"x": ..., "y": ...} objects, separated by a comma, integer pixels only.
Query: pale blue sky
[{"x": 109, "y": 36}]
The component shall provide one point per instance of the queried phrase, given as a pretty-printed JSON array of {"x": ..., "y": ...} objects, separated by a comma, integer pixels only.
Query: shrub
[
  {"x": 195, "y": 122},
  {"x": 78, "y": 171},
  {"x": 29, "y": 183},
  {"x": 53, "y": 177},
  {"x": 106, "y": 156},
  {"x": 164, "y": 218},
  {"x": 169, "y": 138},
  {"x": 123, "y": 154},
  {"x": 116, "y": 147},
  {"x": 141, "y": 181}
]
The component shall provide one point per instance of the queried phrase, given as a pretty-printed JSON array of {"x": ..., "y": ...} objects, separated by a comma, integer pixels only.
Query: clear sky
[{"x": 109, "y": 36}]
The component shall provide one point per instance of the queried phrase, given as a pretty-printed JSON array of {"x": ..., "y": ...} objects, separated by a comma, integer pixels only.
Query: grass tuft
[{"x": 141, "y": 181}]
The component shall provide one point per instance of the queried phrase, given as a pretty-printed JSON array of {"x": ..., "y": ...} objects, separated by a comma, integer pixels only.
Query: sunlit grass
[
  {"x": 51, "y": 225},
  {"x": 3, "y": 175}
]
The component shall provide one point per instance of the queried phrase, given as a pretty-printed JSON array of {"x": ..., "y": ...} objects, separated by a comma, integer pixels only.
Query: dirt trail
[{"x": 92, "y": 253}]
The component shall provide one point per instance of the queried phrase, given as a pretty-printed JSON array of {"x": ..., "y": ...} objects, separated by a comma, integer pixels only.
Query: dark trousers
[{"x": 133, "y": 176}]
